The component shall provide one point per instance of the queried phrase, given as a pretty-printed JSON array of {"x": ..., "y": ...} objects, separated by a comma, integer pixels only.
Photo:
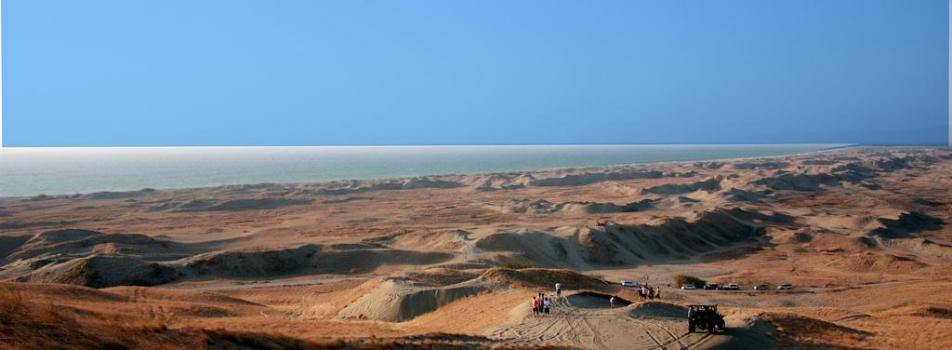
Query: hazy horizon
[
  {"x": 32, "y": 171},
  {"x": 448, "y": 145}
]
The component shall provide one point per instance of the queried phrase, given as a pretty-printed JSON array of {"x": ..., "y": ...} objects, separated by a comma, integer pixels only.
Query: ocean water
[{"x": 34, "y": 171}]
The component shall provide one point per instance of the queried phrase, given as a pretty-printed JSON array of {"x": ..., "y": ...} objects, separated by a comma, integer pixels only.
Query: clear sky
[{"x": 347, "y": 72}]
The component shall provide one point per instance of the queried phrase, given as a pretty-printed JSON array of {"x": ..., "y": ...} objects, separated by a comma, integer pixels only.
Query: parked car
[
  {"x": 732, "y": 286},
  {"x": 785, "y": 286},
  {"x": 627, "y": 283},
  {"x": 688, "y": 287},
  {"x": 712, "y": 286},
  {"x": 762, "y": 286}
]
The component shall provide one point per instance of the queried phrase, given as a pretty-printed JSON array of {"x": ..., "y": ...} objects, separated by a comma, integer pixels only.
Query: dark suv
[{"x": 704, "y": 317}]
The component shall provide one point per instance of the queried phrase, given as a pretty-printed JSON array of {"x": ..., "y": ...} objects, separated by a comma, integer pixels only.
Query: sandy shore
[{"x": 862, "y": 235}]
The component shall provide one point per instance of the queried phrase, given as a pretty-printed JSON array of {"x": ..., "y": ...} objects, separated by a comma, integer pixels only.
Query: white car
[
  {"x": 627, "y": 283},
  {"x": 785, "y": 286},
  {"x": 732, "y": 286},
  {"x": 688, "y": 287}
]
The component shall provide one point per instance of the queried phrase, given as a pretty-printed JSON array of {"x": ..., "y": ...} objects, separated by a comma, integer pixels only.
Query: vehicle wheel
[
  {"x": 710, "y": 329},
  {"x": 690, "y": 327}
]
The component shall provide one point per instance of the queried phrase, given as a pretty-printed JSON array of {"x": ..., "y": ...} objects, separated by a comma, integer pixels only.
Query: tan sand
[{"x": 862, "y": 234}]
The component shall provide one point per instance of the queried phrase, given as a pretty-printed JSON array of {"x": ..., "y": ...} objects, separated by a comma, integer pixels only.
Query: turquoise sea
[{"x": 52, "y": 171}]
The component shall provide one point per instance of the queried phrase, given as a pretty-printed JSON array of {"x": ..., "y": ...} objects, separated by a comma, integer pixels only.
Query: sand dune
[
  {"x": 586, "y": 178},
  {"x": 304, "y": 259},
  {"x": 542, "y": 207},
  {"x": 103, "y": 271},
  {"x": 398, "y": 300},
  {"x": 73, "y": 242},
  {"x": 760, "y": 165},
  {"x": 348, "y": 187},
  {"x": 710, "y": 185},
  {"x": 497, "y": 182},
  {"x": 453, "y": 261},
  {"x": 907, "y": 224},
  {"x": 545, "y": 279},
  {"x": 619, "y": 244},
  {"x": 79, "y": 257},
  {"x": 228, "y": 205}
]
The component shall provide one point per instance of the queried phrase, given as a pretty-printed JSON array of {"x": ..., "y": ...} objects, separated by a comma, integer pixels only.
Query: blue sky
[{"x": 235, "y": 72}]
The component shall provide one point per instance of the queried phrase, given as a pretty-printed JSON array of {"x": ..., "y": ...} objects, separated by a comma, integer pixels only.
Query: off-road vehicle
[{"x": 704, "y": 317}]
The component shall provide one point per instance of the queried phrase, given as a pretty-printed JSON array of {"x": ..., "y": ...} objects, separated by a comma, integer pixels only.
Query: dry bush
[
  {"x": 516, "y": 265},
  {"x": 681, "y": 280}
]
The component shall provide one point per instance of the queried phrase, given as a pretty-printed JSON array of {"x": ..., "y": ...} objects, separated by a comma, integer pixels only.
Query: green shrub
[
  {"x": 516, "y": 265},
  {"x": 681, "y": 280}
]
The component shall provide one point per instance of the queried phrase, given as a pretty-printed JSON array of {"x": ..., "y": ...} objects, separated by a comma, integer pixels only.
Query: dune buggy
[{"x": 704, "y": 317}]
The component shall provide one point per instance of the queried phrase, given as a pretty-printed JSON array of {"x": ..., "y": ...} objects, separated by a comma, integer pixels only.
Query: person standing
[
  {"x": 611, "y": 302},
  {"x": 545, "y": 305},
  {"x": 541, "y": 303},
  {"x": 558, "y": 290}
]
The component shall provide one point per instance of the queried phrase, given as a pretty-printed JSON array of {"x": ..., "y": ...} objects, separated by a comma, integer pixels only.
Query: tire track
[
  {"x": 655, "y": 340},
  {"x": 547, "y": 328},
  {"x": 597, "y": 328},
  {"x": 573, "y": 336},
  {"x": 596, "y": 339},
  {"x": 673, "y": 336},
  {"x": 700, "y": 341}
]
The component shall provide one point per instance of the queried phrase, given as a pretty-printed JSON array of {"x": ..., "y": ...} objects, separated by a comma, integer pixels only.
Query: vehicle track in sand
[
  {"x": 602, "y": 328},
  {"x": 697, "y": 344},
  {"x": 684, "y": 341},
  {"x": 596, "y": 338},
  {"x": 654, "y": 339},
  {"x": 674, "y": 337}
]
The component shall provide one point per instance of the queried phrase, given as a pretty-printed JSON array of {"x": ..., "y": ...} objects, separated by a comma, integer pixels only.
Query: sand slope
[{"x": 862, "y": 234}]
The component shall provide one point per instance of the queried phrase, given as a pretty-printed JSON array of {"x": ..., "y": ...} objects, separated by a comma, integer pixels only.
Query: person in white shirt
[{"x": 558, "y": 289}]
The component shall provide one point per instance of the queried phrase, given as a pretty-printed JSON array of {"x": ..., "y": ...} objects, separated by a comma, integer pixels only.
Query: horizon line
[{"x": 834, "y": 144}]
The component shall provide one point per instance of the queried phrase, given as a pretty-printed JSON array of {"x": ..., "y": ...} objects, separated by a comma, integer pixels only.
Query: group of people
[
  {"x": 541, "y": 304},
  {"x": 649, "y": 292}
]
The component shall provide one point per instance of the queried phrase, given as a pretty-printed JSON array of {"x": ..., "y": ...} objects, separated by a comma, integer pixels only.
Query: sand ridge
[{"x": 862, "y": 234}]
